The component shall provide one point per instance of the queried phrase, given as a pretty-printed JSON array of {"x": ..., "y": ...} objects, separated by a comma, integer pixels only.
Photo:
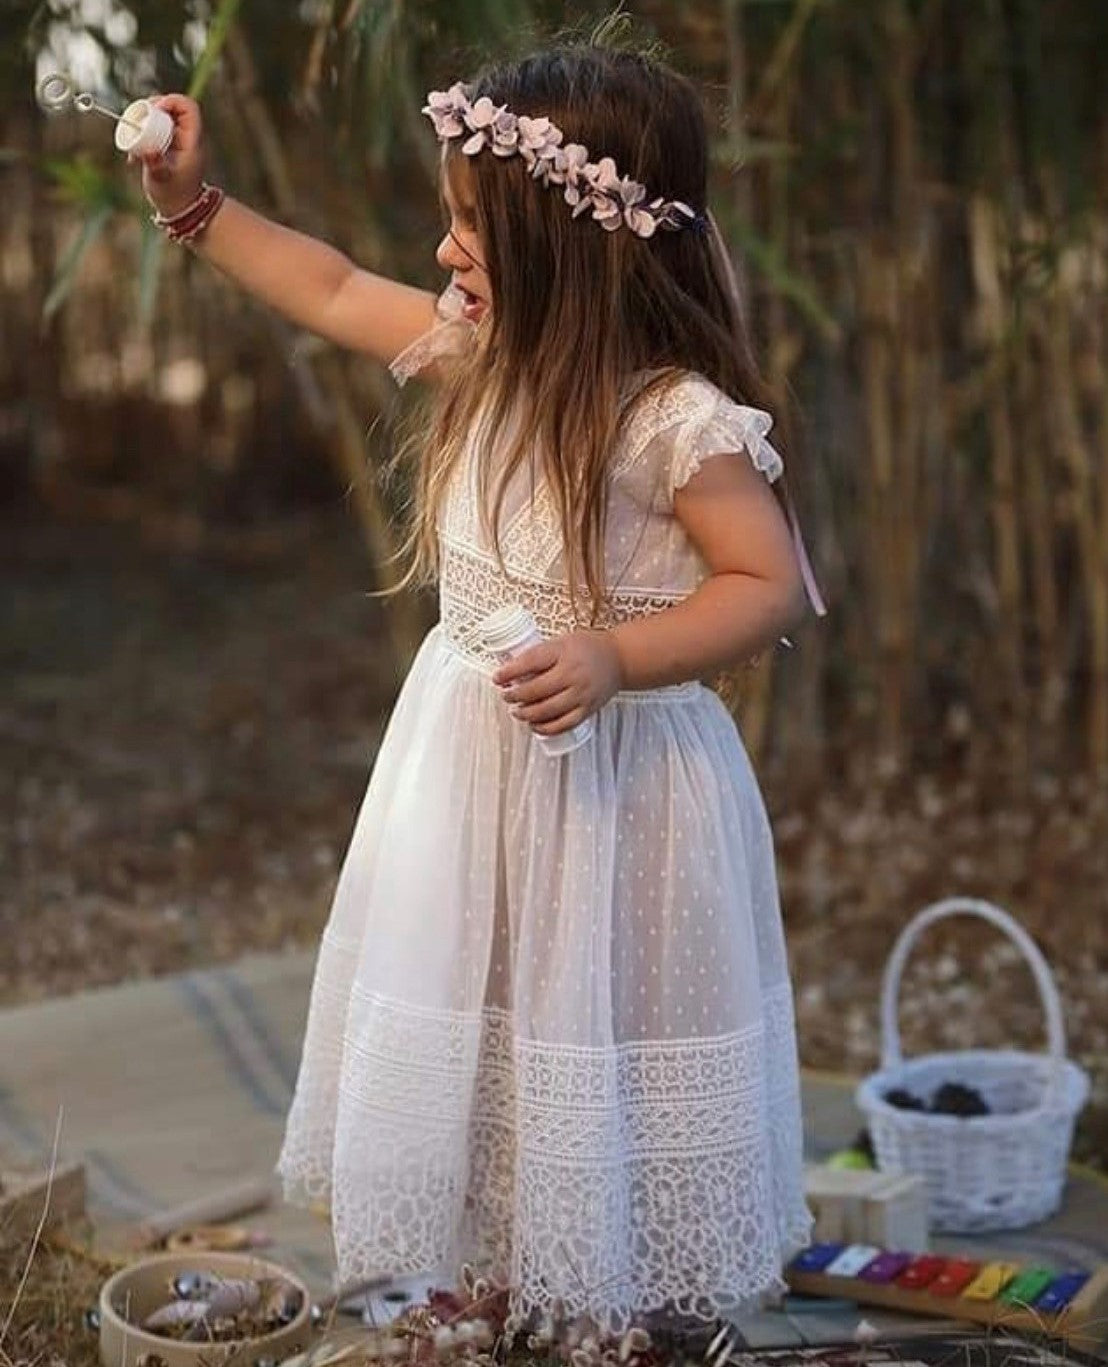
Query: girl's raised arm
[{"x": 310, "y": 282}]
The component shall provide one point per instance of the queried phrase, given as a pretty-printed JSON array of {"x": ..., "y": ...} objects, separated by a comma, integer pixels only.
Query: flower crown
[{"x": 613, "y": 199}]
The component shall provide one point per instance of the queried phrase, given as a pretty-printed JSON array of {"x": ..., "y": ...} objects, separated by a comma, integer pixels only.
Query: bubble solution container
[
  {"x": 504, "y": 633},
  {"x": 143, "y": 128}
]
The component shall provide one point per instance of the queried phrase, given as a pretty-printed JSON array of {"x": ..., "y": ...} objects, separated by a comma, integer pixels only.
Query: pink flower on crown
[
  {"x": 505, "y": 134},
  {"x": 570, "y": 164},
  {"x": 604, "y": 176},
  {"x": 640, "y": 218},
  {"x": 538, "y": 145},
  {"x": 603, "y": 193},
  {"x": 447, "y": 109},
  {"x": 481, "y": 117}
]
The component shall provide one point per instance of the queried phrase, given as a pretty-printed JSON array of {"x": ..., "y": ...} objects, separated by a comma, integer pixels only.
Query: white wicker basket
[{"x": 997, "y": 1171}]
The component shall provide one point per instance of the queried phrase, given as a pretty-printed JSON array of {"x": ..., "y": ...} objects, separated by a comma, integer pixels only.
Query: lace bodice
[{"x": 649, "y": 561}]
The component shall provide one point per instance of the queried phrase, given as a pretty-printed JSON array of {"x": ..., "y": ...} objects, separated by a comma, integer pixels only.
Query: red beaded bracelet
[{"x": 194, "y": 218}]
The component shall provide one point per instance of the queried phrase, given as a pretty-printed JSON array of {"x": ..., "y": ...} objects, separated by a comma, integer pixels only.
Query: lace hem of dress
[{"x": 619, "y": 1180}]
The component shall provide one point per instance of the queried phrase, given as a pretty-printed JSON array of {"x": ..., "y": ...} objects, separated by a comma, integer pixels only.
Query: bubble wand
[{"x": 141, "y": 128}]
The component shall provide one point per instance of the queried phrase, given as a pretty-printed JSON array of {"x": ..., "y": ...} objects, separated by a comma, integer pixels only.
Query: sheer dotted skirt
[{"x": 551, "y": 1027}]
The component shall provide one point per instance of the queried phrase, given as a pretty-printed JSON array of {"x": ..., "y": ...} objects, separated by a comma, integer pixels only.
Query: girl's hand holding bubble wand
[
  {"x": 311, "y": 283},
  {"x": 141, "y": 129},
  {"x": 164, "y": 135}
]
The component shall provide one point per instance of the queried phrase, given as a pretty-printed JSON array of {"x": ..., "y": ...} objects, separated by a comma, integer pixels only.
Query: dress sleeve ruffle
[
  {"x": 710, "y": 423},
  {"x": 722, "y": 427},
  {"x": 451, "y": 336}
]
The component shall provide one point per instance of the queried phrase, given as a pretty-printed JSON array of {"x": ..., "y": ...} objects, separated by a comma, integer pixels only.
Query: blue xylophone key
[
  {"x": 1061, "y": 1291},
  {"x": 816, "y": 1258}
]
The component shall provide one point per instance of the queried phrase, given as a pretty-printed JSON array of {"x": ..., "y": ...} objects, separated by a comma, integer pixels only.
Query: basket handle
[{"x": 972, "y": 906}]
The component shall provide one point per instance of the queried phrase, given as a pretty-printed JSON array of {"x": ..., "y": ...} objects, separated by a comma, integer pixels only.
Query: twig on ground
[{"x": 37, "y": 1235}]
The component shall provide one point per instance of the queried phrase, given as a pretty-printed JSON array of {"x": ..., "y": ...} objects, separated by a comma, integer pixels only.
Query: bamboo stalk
[
  {"x": 904, "y": 522},
  {"x": 1074, "y": 453},
  {"x": 983, "y": 232},
  {"x": 875, "y": 302},
  {"x": 1100, "y": 266},
  {"x": 1039, "y": 520}
]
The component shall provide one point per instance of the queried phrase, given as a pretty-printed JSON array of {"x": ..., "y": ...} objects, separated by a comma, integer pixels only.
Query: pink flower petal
[
  {"x": 483, "y": 113},
  {"x": 607, "y": 177},
  {"x": 641, "y": 223}
]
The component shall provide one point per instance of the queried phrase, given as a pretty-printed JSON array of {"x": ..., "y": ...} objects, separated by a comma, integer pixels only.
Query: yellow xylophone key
[{"x": 990, "y": 1281}]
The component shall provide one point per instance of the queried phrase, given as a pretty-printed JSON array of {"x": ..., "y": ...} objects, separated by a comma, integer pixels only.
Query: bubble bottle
[{"x": 504, "y": 633}]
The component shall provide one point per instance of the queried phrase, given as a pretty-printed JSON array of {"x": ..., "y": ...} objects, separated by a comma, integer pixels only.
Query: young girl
[{"x": 551, "y": 1029}]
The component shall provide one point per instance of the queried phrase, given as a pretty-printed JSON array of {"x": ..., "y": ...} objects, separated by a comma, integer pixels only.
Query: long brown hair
[{"x": 577, "y": 310}]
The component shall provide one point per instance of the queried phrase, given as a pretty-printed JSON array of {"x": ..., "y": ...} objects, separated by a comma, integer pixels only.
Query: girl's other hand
[
  {"x": 556, "y": 685},
  {"x": 172, "y": 182}
]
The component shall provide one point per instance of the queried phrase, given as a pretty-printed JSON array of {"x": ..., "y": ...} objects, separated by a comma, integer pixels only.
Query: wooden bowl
[{"x": 135, "y": 1292}]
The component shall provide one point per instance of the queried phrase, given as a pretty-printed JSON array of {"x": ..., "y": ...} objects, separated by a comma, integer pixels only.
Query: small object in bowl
[
  {"x": 227, "y": 1300},
  {"x": 232, "y": 1296},
  {"x": 175, "y": 1314},
  {"x": 849, "y": 1160},
  {"x": 904, "y": 1101},
  {"x": 282, "y": 1305},
  {"x": 953, "y": 1098},
  {"x": 191, "y": 1286}
]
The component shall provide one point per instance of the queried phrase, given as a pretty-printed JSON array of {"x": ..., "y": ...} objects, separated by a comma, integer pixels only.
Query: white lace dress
[{"x": 551, "y": 1030}]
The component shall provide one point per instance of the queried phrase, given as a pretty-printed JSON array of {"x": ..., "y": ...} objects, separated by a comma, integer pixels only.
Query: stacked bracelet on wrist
[{"x": 194, "y": 218}]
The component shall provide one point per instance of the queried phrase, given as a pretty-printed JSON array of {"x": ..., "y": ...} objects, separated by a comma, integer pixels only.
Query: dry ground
[{"x": 187, "y": 739}]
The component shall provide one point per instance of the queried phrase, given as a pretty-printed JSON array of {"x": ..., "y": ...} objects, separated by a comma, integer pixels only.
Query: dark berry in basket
[
  {"x": 904, "y": 1101},
  {"x": 953, "y": 1098},
  {"x": 864, "y": 1144}
]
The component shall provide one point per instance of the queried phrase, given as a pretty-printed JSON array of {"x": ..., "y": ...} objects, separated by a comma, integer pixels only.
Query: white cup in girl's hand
[{"x": 144, "y": 129}]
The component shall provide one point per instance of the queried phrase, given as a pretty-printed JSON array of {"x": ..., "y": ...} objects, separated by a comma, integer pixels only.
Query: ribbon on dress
[{"x": 807, "y": 574}]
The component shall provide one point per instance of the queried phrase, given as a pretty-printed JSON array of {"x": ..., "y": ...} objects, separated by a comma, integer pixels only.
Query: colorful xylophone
[{"x": 1073, "y": 1305}]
